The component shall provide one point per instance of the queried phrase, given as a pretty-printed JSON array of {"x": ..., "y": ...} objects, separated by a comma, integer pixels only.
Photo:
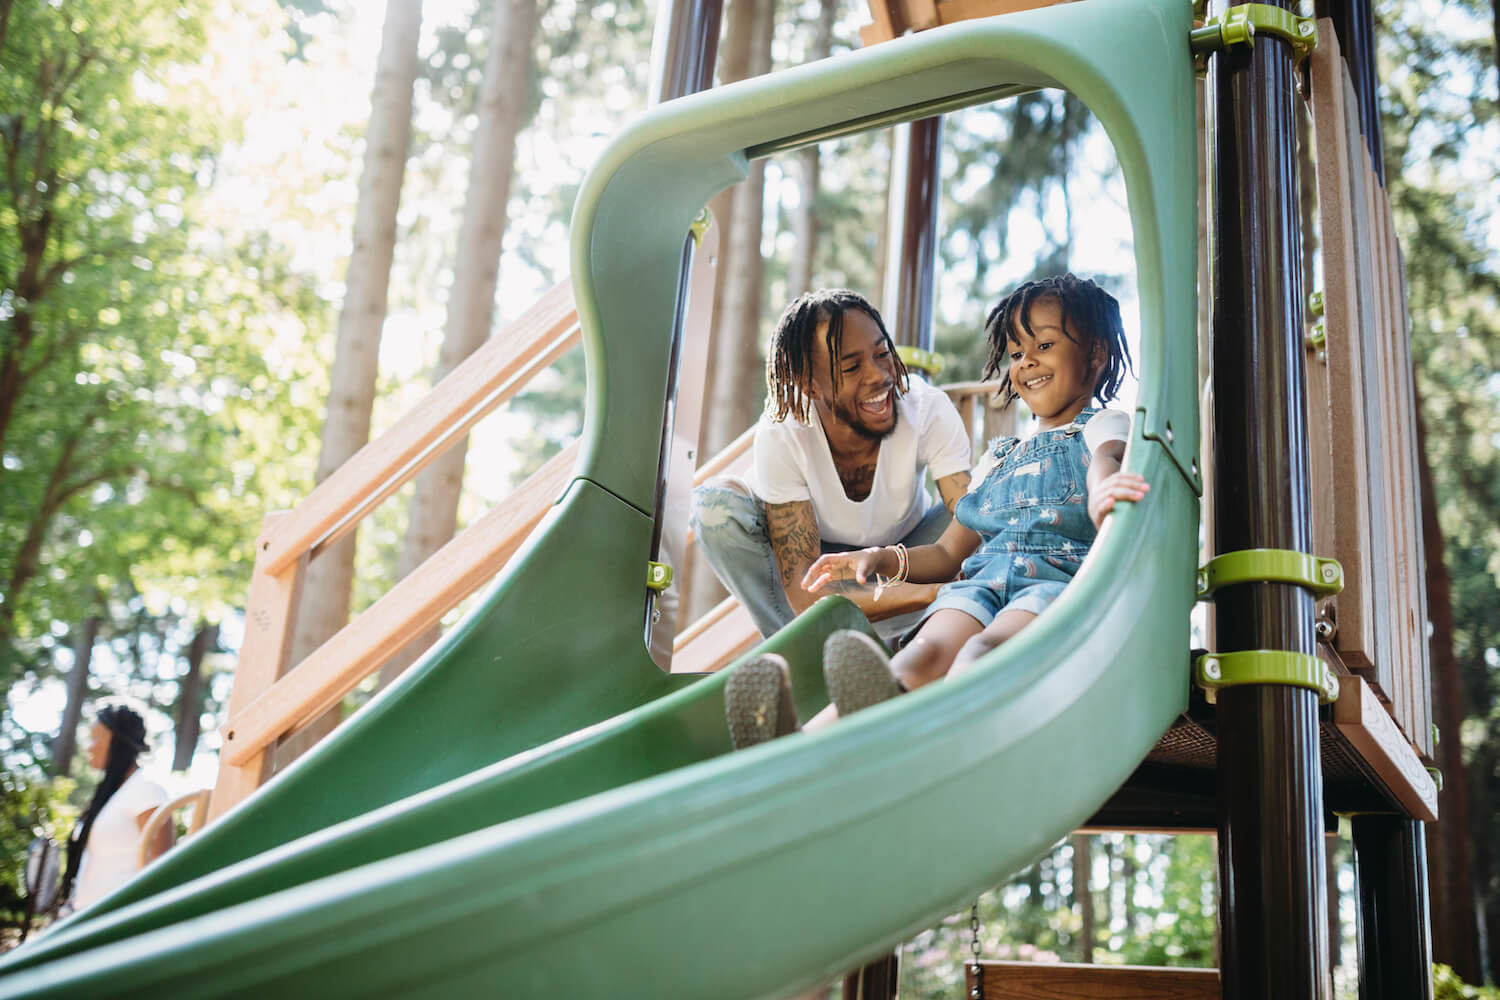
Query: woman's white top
[{"x": 114, "y": 842}]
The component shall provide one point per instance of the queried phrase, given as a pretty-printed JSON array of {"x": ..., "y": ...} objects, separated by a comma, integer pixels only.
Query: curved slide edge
[{"x": 680, "y": 729}]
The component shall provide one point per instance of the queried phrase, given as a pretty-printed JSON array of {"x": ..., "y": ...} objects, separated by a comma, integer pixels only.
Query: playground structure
[{"x": 537, "y": 805}]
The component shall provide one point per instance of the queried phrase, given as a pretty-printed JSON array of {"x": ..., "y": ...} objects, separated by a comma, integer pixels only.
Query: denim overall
[{"x": 1031, "y": 513}]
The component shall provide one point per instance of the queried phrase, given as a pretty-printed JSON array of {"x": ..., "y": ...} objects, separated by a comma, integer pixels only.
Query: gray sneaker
[
  {"x": 858, "y": 671},
  {"x": 758, "y": 701}
]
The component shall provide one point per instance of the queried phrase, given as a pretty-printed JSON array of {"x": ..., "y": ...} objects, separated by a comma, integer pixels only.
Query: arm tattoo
[
  {"x": 794, "y": 538},
  {"x": 952, "y": 488}
]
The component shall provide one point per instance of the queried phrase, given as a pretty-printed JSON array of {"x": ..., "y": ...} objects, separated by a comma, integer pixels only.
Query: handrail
[
  {"x": 408, "y": 609},
  {"x": 487, "y": 378}
]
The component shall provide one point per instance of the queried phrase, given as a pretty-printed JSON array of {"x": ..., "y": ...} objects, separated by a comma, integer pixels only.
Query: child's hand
[
  {"x": 1113, "y": 488},
  {"x": 845, "y": 568}
]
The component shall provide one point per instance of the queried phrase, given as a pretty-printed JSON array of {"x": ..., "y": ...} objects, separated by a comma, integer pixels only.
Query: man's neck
[{"x": 846, "y": 443}]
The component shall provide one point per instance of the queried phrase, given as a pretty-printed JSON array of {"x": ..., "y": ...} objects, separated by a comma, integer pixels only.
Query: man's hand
[{"x": 843, "y": 571}]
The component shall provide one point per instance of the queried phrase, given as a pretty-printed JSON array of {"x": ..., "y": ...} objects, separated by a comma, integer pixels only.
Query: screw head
[
  {"x": 1304, "y": 29},
  {"x": 1212, "y": 669},
  {"x": 1329, "y": 572}
]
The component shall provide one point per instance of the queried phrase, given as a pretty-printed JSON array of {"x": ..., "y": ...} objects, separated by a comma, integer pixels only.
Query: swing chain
[{"x": 976, "y": 992}]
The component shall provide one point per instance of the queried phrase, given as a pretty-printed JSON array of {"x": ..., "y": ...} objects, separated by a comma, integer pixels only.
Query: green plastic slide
[{"x": 536, "y": 810}]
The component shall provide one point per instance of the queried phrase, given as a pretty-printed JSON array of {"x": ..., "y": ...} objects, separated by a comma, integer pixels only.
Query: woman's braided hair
[
  {"x": 1090, "y": 316},
  {"x": 127, "y": 741},
  {"x": 789, "y": 360}
]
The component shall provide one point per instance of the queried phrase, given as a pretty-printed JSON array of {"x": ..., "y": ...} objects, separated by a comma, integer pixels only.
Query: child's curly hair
[
  {"x": 789, "y": 358},
  {"x": 1088, "y": 311}
]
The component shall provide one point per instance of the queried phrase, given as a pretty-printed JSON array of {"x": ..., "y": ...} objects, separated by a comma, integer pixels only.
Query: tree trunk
[
  {"x": 805, "y": 222},
  {"x": 471, "y": 307},
  {"x": 190, "y": 696},
  {"x": 351, "y": 395},
  {"x": 78, "y": 689},
  {"x": 1455, "y": 940},
  {"x": 1083, "y": 863}
]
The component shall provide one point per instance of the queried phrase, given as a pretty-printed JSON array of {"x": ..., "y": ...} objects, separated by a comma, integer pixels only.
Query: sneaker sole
[
  {"x": 758, "y": 701},
  {"x": 858, "y": 671}
]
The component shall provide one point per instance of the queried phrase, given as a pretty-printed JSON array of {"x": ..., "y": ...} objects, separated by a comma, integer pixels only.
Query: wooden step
[{"x": 1047, "y": 981}]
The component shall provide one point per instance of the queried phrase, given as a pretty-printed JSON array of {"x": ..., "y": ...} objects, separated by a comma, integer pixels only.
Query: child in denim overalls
[{"x": 1018, "y": 536}]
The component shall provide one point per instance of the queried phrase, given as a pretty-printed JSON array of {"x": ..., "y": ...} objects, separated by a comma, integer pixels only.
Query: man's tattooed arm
[
  {"x": 794, "y": 540},
  {"x": 952, "y": 488},
  {"x": 796, "y": 544}
]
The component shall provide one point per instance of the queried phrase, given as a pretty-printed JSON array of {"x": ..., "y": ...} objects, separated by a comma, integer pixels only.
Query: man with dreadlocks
[
  {"x": 1018, "y": 537},
  {"x": 840, "y": 460}
]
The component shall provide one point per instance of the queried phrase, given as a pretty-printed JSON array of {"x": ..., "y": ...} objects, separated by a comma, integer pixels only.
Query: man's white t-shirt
[
  {"x": 793, "y": 463},
  {"x": 115, "y": 840}
]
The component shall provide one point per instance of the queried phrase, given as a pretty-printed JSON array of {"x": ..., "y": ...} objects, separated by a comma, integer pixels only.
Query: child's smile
[{"x": 1049, "y": 370}]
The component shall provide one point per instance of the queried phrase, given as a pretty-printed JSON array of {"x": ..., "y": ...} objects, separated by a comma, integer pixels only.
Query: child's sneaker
[
  {"x": 858, "y": 671},
  {"x": 758, "y": 701}
]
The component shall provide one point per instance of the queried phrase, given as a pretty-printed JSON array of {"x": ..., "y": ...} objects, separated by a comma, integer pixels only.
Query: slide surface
[{"x": 535, "y": 810}]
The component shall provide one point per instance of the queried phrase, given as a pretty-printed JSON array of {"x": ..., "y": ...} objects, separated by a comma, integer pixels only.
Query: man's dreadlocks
[{"x": 789, "y": 359}]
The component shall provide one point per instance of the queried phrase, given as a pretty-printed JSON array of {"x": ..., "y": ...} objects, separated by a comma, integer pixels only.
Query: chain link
[{"x": 976, "y": 992}]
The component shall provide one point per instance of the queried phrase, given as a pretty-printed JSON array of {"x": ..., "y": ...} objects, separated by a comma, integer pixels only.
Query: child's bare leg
[
  {"x": 1003, "y": 628},
  {"x": 931, "y": 652}
]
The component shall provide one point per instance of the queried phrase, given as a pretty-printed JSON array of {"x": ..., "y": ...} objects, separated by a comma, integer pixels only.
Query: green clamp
[
  {"x": 930, "y": 362},
  {"x": 1436, "y": 776},
  {"x": 658, "y": 576},
  {"x": 1266, "y": 666},
  {"x": 700, "y": 226},
  {"x": 1315, "y": 303},
  {"x": 1241, "y": 23},
  {"x": 1323, "y": 577},
  {"x": 1318, "y": 337}
]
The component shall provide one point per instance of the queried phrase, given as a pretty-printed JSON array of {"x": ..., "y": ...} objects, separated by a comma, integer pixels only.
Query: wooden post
[{"x": 265, "y": 652}]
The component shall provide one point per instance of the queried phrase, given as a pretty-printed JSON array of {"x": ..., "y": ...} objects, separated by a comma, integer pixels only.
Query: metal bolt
[
  {"x": 1330, "y": 572},
  {"x": 1304, "y": 28},
  {"x": 1212, "y": 670},
  {"x": 1202, "y": 581},
  {"x": 1169, "y": 434},
  {"x": 1325, "y": 630}
]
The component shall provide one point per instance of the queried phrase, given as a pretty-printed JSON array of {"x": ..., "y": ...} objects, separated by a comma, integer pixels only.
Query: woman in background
[{"x": 103, "y": 852}]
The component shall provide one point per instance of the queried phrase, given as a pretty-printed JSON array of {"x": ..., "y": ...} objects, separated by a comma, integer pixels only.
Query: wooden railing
[
  {"x": 1361, "y": 410},
  {"x": 269, "y": 700}
]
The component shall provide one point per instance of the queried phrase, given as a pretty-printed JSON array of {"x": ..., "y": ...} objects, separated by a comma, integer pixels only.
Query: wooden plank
[
  {"x": 1376, "y": 488},
  {"x": 1349, "y": 501},
  {"x": 726, "y": 633},
  {"x": 411, "y": 607},
  {"x": 950, "y": 11},
  {"x": 1417, "y": 723},
  {"x": 892, "y": 18},
  {"x": 265, "y": 653},
  {"x": 1367, "y": 726},
  {"x": 483, "y": 381},
  {"x": 1047, "y": 981}
]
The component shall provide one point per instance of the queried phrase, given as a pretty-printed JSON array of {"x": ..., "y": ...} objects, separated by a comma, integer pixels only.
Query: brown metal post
[
  {"x": 1354, "y": 23},
  {"x": 1274, "y": 898},
  {"x": 906, "y": 303}
]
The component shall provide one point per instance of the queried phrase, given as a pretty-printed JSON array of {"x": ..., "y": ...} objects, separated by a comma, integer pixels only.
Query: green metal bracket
[
  {"x": 1315, "y": 303},
  {"x": 1437, "y": 777},
  {"x": 700, "y": 226},
  {"x": 930, "y": 362},
  {"x": 1323, "y": 577},
  {"x": 1241, "y": 23},
  {"x": 658, "y": 576},
  {"x": 1266, "y": 666},
  {"x": 1318, "y": 337}
]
